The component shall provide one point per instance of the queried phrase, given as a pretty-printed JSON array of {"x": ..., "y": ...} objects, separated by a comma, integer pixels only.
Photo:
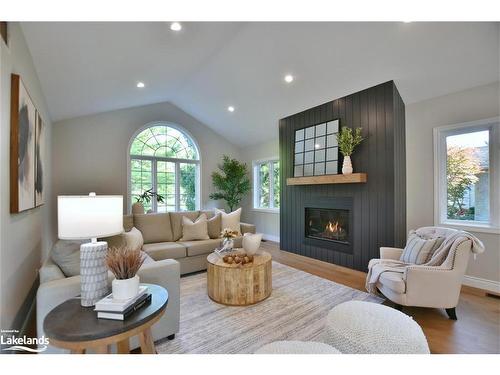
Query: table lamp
[{"x": 82, "y": 217}]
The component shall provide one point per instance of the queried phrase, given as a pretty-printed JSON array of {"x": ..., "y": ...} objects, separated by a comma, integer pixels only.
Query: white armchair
[{"x": 425, "y": 286}]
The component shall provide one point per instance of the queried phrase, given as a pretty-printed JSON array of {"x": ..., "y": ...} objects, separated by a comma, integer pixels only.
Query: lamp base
[{"x": 93, "y": 272}]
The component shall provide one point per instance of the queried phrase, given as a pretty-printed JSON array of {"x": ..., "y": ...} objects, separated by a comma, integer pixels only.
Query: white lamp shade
[{"x": 89, "y": 216}]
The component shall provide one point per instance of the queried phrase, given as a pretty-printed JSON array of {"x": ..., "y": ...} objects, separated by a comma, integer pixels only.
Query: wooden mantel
[{"x": 354, "y": 178}]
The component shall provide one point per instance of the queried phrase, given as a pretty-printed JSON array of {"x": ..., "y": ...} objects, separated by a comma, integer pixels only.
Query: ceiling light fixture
[
  {"x": 175, "y": 26},
  {"x": 141, "y": 85},
  {"x": 230, "y": 108},
  {"x": 288, "y": 78}
]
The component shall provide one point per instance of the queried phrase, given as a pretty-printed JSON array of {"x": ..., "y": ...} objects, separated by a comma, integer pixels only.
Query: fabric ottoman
[
  {"x": 357, "y": 327},
  {"x": 297, "y": 347}
]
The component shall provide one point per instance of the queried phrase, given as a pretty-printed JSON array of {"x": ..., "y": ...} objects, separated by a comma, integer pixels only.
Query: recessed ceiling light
[
  {"x": 230, "y": 108},
  {"x": 407, "y": 21},
  {"x": 288, "y": 78},
  {"x": 175, "y": 26},
  {"x": 141, "y": 85}
]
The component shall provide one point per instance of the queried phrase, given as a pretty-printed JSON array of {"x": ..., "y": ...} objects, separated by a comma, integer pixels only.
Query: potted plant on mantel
[
  {"x": 146, "y": 197},
  {"x": 124, "y": 264},
  {"x": 347, "y": 141}
]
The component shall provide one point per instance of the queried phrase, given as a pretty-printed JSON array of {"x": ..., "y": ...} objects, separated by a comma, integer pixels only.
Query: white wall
[
  {"x": 421, "y": 118},
  {"x": 26, "y": 236},
  {"x": 90, "y": 152},
  {"x": 266, "y": 222}
]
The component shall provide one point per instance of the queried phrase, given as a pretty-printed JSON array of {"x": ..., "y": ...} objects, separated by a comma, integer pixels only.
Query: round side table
[
  {"x": 237, "y": 285},
  {"x": 71, "y": 326}
]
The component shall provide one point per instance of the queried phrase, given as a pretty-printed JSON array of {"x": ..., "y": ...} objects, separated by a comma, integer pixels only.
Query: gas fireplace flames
[{"x": 333, "y": 230}]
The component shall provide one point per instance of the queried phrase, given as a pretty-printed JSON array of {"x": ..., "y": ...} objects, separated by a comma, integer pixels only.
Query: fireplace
[{"x": 327, "y": 224}]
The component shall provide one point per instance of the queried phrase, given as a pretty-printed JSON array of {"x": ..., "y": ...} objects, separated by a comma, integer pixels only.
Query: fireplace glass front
[{"x": 327, "y": 224}]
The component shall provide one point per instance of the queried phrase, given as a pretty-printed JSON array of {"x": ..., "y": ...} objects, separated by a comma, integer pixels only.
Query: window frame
[
  {"x": 155, "y": 159},
  {"x": 256, "y": 185},
  {"x": 440, "y": 187}
]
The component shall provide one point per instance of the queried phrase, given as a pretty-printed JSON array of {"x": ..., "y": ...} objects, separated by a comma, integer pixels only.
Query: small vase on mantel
[{"x": 347, "y": 166}]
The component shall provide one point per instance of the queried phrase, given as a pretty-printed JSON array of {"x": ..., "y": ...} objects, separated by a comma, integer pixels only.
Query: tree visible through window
[
  {"x": 267, "y": 184},
  {"x": 468, "y": 176},
  {"x": 166, "y": 160}
]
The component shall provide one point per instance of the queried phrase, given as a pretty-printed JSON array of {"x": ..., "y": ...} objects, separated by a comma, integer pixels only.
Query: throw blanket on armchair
[{"x": 453, "y": 238}]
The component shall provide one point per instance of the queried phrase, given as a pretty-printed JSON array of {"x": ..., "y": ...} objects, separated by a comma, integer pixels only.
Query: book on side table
[{"x": 109, "y": 308}]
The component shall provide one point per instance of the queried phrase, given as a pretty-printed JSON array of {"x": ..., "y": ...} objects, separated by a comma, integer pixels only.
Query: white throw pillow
[
  {"x": 231, "y": 220},
  {"x": 195, "y": 231}
]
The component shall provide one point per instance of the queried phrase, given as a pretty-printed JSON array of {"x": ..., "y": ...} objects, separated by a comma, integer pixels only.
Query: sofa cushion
[
  {"x": 66, "y": 255},
  {"x": 165, "y": 250},
  {"x": 231, "y": 220},
  {"x": 195, "y": 231},
  {"x": 200, "y": 247},
  {"x": 393, "y": 281},
  {"x": 419, "y": 250},
  {"x": 154, "y": 227},
  {"x": 176, "y": 220},
  {"x": 128, "y": 222},
  {"x": 214, "y": 226},
  {"x": 210, "y": 213}
]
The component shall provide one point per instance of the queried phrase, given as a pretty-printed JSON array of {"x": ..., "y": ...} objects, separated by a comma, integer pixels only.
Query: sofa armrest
[
  {"x": 247, "y": 228},
  {"x": 390, "y": 253},
  {"x": 432, "y": 286}
]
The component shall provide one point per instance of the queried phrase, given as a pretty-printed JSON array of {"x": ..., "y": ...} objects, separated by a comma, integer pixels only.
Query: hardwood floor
[{"x": 477, "y": 329}]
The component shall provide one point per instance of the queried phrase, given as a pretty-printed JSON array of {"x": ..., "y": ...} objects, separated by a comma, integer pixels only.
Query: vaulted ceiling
[{"x": 86, "y": 68}]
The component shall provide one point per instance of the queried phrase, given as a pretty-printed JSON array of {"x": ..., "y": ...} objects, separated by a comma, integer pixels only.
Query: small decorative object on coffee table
[
  {"x": 239, "y": 284},
  {"x": 71, "y": 326},
  {"x": 251, "y": 242},
  {"x": 347, "y": 141},
  {"x": 228, "y": 235},
  {"x": 240, "y": 258},
  {"x": 124, "y": 264}
]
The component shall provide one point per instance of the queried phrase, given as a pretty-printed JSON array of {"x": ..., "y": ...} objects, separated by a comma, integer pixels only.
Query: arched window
[{"x": 166, "y": 160}]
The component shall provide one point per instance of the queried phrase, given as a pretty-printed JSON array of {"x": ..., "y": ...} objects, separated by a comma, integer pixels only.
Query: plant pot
[
  {"x": 137, "y": 208},
  {"x": 347, "y": 166},
  {"x": 251, "y": 243},
  {"x": 125, "y": 289}
]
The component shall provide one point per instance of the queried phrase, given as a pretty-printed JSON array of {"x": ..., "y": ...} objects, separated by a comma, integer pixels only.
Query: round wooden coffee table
[
  {"x": 236, "y": 285},
  {"x": 71, "y": 326}
]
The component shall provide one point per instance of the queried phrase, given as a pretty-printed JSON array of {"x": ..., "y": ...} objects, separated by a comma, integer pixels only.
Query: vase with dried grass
[{"x": 124, "y": 264}]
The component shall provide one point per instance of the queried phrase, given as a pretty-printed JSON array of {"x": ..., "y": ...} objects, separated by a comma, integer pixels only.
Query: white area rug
[{"x": 296, "y": 310}]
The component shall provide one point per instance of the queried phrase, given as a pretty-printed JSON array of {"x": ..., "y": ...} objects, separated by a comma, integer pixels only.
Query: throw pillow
[
  {"x": 215, "y": 226},
  {"x": 231, "y": 220},
  {"x": 418, "y": 249},
  {"x": 66, "y": 254},
  {"x": 195, "y": 231}
]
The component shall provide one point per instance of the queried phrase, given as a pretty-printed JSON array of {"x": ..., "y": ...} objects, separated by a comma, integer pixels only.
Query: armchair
[{"x": 426, "y": 286}]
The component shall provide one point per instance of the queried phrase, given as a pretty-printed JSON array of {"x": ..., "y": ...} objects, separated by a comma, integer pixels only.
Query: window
[
  {"x": 266, "y": 179},
  {"x": 467, "y": 164},
  {"x": 166, "y": 160}
]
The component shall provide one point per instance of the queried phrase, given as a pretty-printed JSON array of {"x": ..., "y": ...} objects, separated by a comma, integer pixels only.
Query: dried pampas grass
[{"x": 124, "y": 262}]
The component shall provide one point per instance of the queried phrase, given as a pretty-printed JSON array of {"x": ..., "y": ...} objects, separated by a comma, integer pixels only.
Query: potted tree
[
  {"x": 231, "y": 183},
  {"x": 347, "y": 141}
]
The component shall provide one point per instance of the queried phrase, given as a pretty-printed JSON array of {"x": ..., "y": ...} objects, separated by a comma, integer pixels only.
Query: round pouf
[
  {"x": 297, "y": 347},
  {"x": 357, "y": 327}
]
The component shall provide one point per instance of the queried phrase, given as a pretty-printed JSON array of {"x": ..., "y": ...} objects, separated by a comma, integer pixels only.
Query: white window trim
[
  {"x": 256, "y": 184},
  {"x": 177, "y": 161},
  {"x": 440, "y": 193}
]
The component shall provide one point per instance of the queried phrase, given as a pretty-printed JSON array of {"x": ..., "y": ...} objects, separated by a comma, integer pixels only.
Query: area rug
[{"x": 296, "y": 310}]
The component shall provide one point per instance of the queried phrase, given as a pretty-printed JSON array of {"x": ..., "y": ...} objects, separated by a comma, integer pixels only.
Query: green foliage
[
  {"x": 147, "y": 195},
  {"x": 231, "y": 183},
  {"x": 348, "y": 140},
  {"x": 188, "y": 186},
  {"x": 462, "y": 167}
]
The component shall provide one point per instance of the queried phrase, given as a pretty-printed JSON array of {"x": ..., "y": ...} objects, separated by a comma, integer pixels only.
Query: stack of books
[{"x": 109, "y": 308}]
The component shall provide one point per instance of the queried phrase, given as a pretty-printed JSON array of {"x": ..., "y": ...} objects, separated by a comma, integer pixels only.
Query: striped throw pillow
[{"x": 418, "y": 249}]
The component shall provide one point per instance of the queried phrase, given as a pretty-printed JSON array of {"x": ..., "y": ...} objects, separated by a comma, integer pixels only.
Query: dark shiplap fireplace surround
[{"x": 373, "y": 214}]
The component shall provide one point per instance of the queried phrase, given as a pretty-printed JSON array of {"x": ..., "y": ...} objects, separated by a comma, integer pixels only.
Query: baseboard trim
[
  {"x": 269, "y": 237},
  {"x": 484, "y": 284}
]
